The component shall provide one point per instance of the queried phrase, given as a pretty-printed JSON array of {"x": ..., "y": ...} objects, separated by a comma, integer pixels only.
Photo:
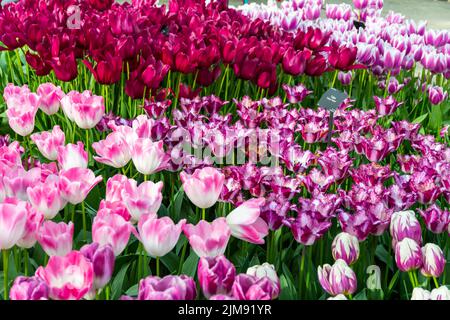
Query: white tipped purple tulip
[
  {"x": 338, "y": 278},
  {"x": 433, "y": 260},
  {"x": 346, "y": 247},
  {"x": 408, "y": 255}
]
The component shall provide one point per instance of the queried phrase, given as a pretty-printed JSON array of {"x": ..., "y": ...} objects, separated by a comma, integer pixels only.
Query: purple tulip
[
  {"x": 404, "y": 224},
  {"x": 436, "y": 95},
  {"x": 216, "y": 275},
  {"x": 436, "y": 219},
  {"x": 346, "y": 247},
  {"x": 167, "y": 288},
  {"x": 247, "y": 287},
  {"x": 338, "y": 278},
  {"x": 408, "y": 255},
  {"x": 433, "y": 260},
  {"x": 103, "y": 260}
]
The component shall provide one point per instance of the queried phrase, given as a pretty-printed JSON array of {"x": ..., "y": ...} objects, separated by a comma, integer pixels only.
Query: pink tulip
[
  {"x": 215, "y": 275},
  {"x": 404, "y": 224},
  {"x": 433, "y": 260},
  {"x": 46, "y": 197},
  {"x": 203, "y": 187},
  {"x": 103, "y": 260},
  {"x": 13, "y": 219},
  {"x": 48, "y": 142},
  {"x": 159, "y": 236},
  {"x": 346, "y": 247},
  {"x": 69, "y": 277},
  {"x": 266, "y": 270},
  {"x": 21, "y": 113},
  {"x": 167, "y": 288},
  {"x": 76, "y": 183},
  {"x": 56, "y": 238},
  {"x": 17, "y": 181},
  {"x": 408, "y": 255},
  {"x": 245, "y": 222},
  {"x": 148, "y": 156},
  {"x": 28, "y": 288},
  {"x": 113, "y": 151},
  {"x": 208, "y": 239},
  {"x": 72, "y": 156},
  {"x": 84, "y": 108},
  {"x": 50, "y": 98},
  {"x": 115, "y": 187},
  {"x": 111, "y": 229},
  {"x": 338, "y": 278},
  {"x": 34, "y": 220},
  {"x": 247, "y": 287},
  {"x": 145, "y": 198},
  {"x": 13, "y": 93}
]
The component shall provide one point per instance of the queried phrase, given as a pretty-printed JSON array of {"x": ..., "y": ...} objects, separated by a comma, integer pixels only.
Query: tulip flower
[
  {"x": 215, "y": 275},
  {"x": 48, "y": 142},
  {"x": 433, "y": 260},
  {"x": 56, "y": 238},
  {"x": 145, "y": 198},
  {"x": 49, "y": 98},
  {"x": 345, "y": 77},
  {"x": 13, "y": 219},
  {"x": 84, "y": 108},
  {"x": 404, "y": 224},
  {"x": 111, "y": 229},
  {"x": 113, "y": 151},
  {"x": 408, "y": 255},
  {"x": 72, "y": 156},
  {"x": 436, "y": 219},
  {"x": 102, "y": 259},
  {"x": 386, "y": 106},
  {"x": 46, "y": 197},
  {"x": 69, "y": 277},
  {"x": 208, "y": 239},
  {"x": 28, "y": 288},
  {"x": 32, "y": 226},
  {"x": 17, "y": 180},
  {"x": 76, "y": 183},
  {"x": 420, "y": 294},
  {"x": 436, "y": 95},
  {"x": 346, "y": 247},
  {"x": 148, "y": 156},
  {"x": 203, "y": 187},
  {"x": 247, "y": 287},
  {"x": 21, "y": 113},
  {"x": 441, "y": 293},
  {"x": 297, "y": 93},
  {"x": 338, "y": 278},
  {"x": 159, "y": 236},
  {"x": 245, "y": 222},
  {"x": 265, "y": 270},
  {"x": 167, "y": 288}
]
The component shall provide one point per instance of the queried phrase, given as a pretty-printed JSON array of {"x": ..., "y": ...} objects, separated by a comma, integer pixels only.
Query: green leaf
[
  {"x": 384, "y": 256},
  {"x": 361, "y": 295},
  {"x": 133, "y": 290},
  {"x": 170, "y": 260},
  {"x": 421, "y": 118},
  {"x": 190, "y": 265},
  {"x": 117, "y": 284}
]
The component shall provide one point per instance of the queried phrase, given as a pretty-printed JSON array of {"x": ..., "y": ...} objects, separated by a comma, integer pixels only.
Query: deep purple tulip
[{"x": 103, "y": 260}]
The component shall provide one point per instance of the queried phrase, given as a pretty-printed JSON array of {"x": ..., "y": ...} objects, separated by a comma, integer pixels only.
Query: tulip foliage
[{"x": 177, "y": 152}]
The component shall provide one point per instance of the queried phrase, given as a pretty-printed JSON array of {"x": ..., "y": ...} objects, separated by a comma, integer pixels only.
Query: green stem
[
  {"x": 83, "y": 213},
  {"x": 436, "y": 282},
  {"x": 183, "y": 254},
  {"x": 157, "y": 266},
  {"x": 203, "y": 214},
  {"x": 5, "y": 274},
  {"x": 25, "y": 261}
]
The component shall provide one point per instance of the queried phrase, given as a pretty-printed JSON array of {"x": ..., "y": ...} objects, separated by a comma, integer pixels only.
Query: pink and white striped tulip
[
  {"x": 21, "y": 113},
  {"x": 245, "y": 222},
  {"x": 111, "y": 229},
  {"x": 208, "y": 239},
  {"x": 265, "y": 270},
  {"x": 215, "y": 275},
  {"x": 148, "y": 156},
  {"x": 203, "y": 188},
  {"x": 433, "y": 260},
  {"x": 56, "y": 239},
  {"x": 346, "y": 247},
  {"x": 69, "y": 277},
  {"x": 84, "y": 108},
  {"x": 404, "y": 224},
  {"x": 159, "y": 236},
  {"x": 48, "y": 142},
  {"x": 49, "y": 98},
  {"x": 76, "y": 183},
  {"x": 408, "y": 255},
  {"x": 72, "y": 156},
  {"x": 13, "y": 219},
  {"x": 142, "y": 199},
  {"x": 113, "y": 151},
  {"x": 32, "y": 226},
  {"x": 338, "y": 278},
  {"x": 46, "y": 197}
]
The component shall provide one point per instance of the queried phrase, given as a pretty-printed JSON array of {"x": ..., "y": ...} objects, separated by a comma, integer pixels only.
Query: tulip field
[{"x": 191, "y": 150}]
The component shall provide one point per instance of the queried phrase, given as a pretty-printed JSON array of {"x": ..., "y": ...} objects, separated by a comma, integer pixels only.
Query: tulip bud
[
  {"x": 265, "y": 270},
  {"x": 404, "y": 224},
  {"x": 433, "y": 260},
  {"x": 102, "y": 259},
  {"x": 338, "y": 278},
  {"x": 215, "y": 275},
  {"x": 345, "y": 77},
  {"x": 56, "y": 238},
  {"x": 346, "y": 247},
  {"x": 441, "y": 293},
  {"x": 408, "y": 255},
  {"x": 420, "y": 294}
]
